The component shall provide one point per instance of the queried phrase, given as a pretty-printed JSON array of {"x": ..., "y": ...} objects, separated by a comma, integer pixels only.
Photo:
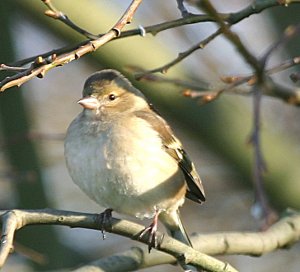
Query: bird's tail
[
  {"x": 175, "y": 227},
  {"x": 173, "y": 223}
]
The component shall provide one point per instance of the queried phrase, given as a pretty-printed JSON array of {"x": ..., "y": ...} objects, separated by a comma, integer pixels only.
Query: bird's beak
[{"x": 89, "y": 102}]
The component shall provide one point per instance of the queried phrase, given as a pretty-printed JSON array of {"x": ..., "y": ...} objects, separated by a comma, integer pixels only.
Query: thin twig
[
  {"x": 43, "y": 66},
  {"x": 233, "y": 37},
  {"x": 289, "y": 95},
  {"x": 230, "y": 18},
  {"x": 184, "y": 12},
  {"x": 289, "y": 33},
  {"x": 198, "y": 85},
  {"x": 54, "y": 13},
  {"x": 262, "y": 205},
  {"x": 4, "y": 67},
  {"x": 152, "y": 29},
  {"x": 181, "y": 56}
]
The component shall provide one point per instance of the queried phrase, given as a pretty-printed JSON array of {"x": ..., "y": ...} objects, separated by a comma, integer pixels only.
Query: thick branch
[
  {"x": 16, "y": 219},
  {"x": 282, "y": 234}
]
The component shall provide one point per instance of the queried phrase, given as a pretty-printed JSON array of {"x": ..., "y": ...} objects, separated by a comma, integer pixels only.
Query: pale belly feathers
[{"x": 126, "y": 170}]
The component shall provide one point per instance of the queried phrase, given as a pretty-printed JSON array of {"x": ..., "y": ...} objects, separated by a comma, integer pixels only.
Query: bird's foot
[
  {"x": 152, "y": 235},
  {"x": 104, "y": 218}
]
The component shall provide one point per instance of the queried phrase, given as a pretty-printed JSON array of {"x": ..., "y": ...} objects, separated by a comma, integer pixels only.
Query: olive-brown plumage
[{"x": 124, "y": 155}]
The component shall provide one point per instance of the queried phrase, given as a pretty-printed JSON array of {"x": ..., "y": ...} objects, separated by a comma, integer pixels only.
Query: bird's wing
[{"x": 174, "y": 148}]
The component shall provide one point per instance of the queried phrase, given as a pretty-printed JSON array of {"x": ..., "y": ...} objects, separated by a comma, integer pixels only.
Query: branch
[
  {"x": 262, "y": 207},
  {"x": 42, "y": 66},
  {"x": 152, "y": 29},
  {"x": 71, "y": 52},
  {"x": 184, "y": 12},
  {"x": 181, "y": 56},
  {"x": 16, "y": 219},
  {"x": 281, "y": 235},
  {"x": 230, "y": 18},
  {"x": 54, "y": 13},
  {"x": 134, "y": 259},
  {"x": 231, "y": 36}
]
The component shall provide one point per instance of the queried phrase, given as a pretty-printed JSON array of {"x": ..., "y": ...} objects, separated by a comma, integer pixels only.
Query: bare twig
[
  {"x": 262, "y": 207},
  {"x": 4, "y": 67},
  {"x": 181, "y": 56},
  {"x": 287, "y": 94},
  {"x": 266, "y": 211},
  {"x": 16, "y": 219},
  {"x": 153, "y": 29},
  {"x": 230, "y": 18},
  {"x": 54, "y": 13},
  {"x": 42, "y": 67},
  {"x": 198, "y": 85},
  {"x": 184, "y": 12},
  {"x": 289, "y": 33},
  {"x": 231, "y": 36}
]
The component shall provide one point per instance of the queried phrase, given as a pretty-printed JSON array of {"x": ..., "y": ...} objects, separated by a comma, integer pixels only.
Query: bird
[{"x": 126, "y": 158}]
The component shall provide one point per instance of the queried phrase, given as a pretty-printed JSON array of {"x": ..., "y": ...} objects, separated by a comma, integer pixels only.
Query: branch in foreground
[
  {"x": 283, "y": 234},
  {"x": 42, "y": 66},
  {"x": 16, "y": 219}
]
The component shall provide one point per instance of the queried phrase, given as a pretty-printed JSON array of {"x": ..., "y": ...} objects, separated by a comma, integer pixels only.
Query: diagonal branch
[
  {"x": 233, "y": 37},
  {"x": 49, "y": 57},
  {"x": 280, "y": 236},
  {"x": 152, "y": 29},
  {"x": 42, "y": 66},
  {"x": 229, "y": 18}
]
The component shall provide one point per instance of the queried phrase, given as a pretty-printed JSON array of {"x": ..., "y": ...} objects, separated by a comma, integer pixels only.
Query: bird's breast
[{"x": 124, "y": 167}]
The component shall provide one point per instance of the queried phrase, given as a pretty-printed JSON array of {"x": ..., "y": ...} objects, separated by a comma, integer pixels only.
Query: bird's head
[{"x": 109, "y": 93}]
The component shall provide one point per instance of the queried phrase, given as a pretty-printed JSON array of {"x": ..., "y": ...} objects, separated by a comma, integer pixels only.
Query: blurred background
[{"x": 34, "y": 119}]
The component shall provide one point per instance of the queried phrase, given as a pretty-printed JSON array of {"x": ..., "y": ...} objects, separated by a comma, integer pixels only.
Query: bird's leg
[
  {"x": 151, "y": 230},
  {"x": 103, "y": 219}
]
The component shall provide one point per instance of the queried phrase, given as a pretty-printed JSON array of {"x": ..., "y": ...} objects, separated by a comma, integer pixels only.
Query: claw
[
  {"x": 104, "y": 218},
  {"x": 151, "y": 230}
]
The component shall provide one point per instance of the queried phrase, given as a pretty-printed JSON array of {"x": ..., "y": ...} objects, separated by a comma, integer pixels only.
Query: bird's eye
[{"x": 112, "y": 97}]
